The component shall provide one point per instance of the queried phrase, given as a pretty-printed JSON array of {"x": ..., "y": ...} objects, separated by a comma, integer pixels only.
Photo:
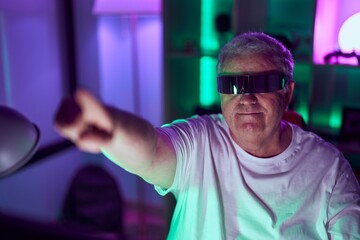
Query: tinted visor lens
[{"x": 239, "y": 84}]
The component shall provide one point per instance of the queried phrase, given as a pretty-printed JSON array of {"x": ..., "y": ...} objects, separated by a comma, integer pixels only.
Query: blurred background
[{"x": 156, "y": 59}]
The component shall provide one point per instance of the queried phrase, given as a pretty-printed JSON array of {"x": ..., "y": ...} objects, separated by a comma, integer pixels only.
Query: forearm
[
  {"x": 133, "y": 144},
  {"x": 128, "y": 140},
  {"x": 137, "y": 147}
]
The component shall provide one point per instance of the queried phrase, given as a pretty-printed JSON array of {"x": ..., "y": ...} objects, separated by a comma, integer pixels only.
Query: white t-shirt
[{"x": 307, "y": 192}]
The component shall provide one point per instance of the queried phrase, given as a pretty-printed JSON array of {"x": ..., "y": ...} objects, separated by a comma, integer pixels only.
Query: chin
[{"x": 250, "y": 128}]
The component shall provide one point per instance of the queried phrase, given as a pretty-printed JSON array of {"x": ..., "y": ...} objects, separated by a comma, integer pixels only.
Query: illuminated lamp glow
[
  {"x": 208, "y": 40},
  {"x": 208, "y": 43},
  {"x": 208, "y": 88},
  {"x": 335, "y": 118},
  {"x": 349, "y": 35},
  {"x": 127, "y": 7},
  {"x": 325, "y": 34}
]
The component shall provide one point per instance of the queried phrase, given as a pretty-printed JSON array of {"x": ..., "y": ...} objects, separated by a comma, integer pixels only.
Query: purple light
[
  {"x": 127, "y": 6},
  {"x": 324, "y": 30},
  {"x": 330, "y": 16}
]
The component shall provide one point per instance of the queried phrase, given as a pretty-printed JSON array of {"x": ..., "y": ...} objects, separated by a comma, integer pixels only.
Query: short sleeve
[
  {"x": 344, "y": 206},
  {"x": 181, "y": 135}
]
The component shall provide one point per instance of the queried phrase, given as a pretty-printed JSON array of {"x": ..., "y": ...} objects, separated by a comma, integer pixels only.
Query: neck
[{"x": 267, "y": 146}]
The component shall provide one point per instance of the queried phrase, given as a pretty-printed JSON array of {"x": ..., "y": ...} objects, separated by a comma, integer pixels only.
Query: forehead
[{"x": 251, "y": 64}]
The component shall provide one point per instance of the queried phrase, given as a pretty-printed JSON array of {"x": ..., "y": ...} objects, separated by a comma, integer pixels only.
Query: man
[{"x": 242, "y": 174}]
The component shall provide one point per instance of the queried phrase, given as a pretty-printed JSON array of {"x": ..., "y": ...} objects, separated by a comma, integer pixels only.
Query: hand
[{"x": 85, "y": 121}]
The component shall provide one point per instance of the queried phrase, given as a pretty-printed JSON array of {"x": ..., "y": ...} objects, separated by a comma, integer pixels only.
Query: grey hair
[{"x": 261, "y": 45}]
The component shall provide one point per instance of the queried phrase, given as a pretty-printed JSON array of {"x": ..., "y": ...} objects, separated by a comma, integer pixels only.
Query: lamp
[{"x": 19, "y": 139}]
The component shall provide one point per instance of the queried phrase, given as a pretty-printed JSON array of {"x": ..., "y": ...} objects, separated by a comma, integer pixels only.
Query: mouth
[
  {"x": 249, "y": 113},
  {"x": 248, "y": 116}
]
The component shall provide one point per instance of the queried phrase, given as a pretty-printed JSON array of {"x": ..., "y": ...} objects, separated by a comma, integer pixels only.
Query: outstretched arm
[{"x": 128, "y": 140}]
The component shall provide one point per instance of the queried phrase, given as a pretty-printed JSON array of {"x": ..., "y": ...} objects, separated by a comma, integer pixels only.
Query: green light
[
  {"x": 208, "y": 35},
  {"x": 304, "y": 112},
  {"x": 209, "y": 43},
  {"x": 335, "y": 119},
  {"x": 208, "y": 89},
  {"x": 302, "y": 75}
]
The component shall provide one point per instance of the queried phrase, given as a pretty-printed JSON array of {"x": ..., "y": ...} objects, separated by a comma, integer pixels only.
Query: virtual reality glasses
[{"x": 251, "y": 83}]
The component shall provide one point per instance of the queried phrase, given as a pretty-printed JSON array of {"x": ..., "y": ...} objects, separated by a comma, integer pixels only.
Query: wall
[
  {"x": 32, "y": 80},
  {"x": 31, "y": 61},
  {"x": 321, "y": 92},
  {"x": 35, "y": 75}
]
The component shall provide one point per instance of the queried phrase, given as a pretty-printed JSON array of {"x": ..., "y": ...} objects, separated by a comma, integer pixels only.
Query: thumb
[
  {"x": 94, "y": 113},
  {"x": 85, "y": 120}
]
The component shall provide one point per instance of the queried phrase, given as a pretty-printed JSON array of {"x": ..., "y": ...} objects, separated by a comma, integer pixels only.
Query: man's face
[{"x": 253, "y": 116}]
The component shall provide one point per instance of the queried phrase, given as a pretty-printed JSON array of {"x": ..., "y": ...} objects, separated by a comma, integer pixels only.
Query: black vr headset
[{"x": 263, "y": 82}]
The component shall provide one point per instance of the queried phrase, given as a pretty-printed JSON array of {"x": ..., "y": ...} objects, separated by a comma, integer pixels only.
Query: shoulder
[
  {"x": 197, "y": 122},
  {"x": 328, "y": 160},
  {"x": 196, "y": 129},
  {"x": 313, "y": 144}
]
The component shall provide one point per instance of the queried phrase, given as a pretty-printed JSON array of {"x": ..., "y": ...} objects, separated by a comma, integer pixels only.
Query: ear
[{"x": 288, "y": 95}]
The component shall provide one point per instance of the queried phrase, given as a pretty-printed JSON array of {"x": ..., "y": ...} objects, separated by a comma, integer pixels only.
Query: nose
[{"x": 248, "y": 98}]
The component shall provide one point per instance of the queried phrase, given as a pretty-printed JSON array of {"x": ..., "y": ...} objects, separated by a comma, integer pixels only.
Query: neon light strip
[
  {"x": 208, "y": 43},
  {"x": 208, "y": 90},
  {"x": 325, "y": 24},
  {"x": 5, "y": 60},
  {"x": 208, "y": 35}
]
